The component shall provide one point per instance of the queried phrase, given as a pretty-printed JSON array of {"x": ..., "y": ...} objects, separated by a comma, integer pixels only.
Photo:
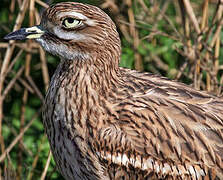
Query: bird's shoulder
[{"x": 142, "y": 84}]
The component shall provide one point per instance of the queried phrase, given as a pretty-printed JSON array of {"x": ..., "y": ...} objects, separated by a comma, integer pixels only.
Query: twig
[
  {"x": 36, "y": 158},
  {"x": 191, "y": 15},
  {"x": 46, "y": 166},
  {"x": 12, "y": 82},
  {"x": 26, "y": 85},
  {"x": 45, "y": 72},
  {"x": 12, "y": 129},
  {"x": 14, "y": 61},
  {"x": 42, "y": 3},
  {"x": 6, "y": 60},
  {"x": 134, "y": 33},
  {"x": 15, "y": 141},
  {"x": 29, "y": 78}
]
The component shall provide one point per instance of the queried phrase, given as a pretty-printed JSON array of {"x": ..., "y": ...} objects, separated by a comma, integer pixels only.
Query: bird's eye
[{"x": 71, "y": 22}]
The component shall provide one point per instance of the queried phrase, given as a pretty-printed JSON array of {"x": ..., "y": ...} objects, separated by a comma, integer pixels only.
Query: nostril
[{"x": 32, "y": 31}]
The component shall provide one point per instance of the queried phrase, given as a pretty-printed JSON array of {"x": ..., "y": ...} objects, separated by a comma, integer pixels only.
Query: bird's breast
[{"x": 67, "y": 134}]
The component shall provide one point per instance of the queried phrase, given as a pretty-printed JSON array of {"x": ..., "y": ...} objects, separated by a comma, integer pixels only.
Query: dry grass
[
  {"x": 198, "y": 35},
  {"x": 196, "y": 30}
]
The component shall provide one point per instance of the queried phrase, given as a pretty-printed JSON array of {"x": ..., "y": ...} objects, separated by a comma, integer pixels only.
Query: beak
[{"x": 25, "y": 33}]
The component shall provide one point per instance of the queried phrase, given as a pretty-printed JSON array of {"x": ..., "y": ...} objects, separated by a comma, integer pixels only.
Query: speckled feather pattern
[{"x": 107, "y": 122}]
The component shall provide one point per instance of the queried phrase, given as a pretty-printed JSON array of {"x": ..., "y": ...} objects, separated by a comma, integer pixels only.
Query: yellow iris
[{"x": 71, "y": 22}]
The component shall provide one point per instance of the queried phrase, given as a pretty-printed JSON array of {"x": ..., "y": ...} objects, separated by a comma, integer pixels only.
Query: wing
[{"x": 175, "y": 132}]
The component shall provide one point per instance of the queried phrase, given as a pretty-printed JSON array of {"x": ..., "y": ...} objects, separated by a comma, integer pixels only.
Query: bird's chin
[{"x": 62, "y": 50}]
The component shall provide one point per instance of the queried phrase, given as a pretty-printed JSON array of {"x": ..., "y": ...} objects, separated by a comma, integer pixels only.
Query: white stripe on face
[{"x": 68, "y": 35}]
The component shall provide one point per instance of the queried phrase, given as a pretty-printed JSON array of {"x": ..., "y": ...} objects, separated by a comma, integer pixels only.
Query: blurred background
[{"x": 179, "y": 39}]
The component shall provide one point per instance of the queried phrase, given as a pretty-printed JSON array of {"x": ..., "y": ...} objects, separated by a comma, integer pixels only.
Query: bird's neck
[
  {"x": 84, "y": 86},
  {"x": 87, "y": 77}
]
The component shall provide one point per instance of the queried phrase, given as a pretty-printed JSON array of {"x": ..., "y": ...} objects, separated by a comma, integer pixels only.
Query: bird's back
[{"x": 166, "y": 129}]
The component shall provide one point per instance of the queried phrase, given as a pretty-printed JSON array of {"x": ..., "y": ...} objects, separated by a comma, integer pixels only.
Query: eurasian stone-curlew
[{"x": 107, "y": 122}]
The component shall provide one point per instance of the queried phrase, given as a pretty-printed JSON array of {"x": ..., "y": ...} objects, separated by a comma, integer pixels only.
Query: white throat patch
[{"x": 62, "y": 50}]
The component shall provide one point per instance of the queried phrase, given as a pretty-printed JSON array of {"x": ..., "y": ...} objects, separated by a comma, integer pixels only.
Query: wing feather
[{"x": 169, "y": 130}]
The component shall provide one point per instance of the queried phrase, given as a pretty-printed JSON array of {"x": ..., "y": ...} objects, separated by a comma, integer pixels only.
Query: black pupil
[{"x": 70, "y": 20}]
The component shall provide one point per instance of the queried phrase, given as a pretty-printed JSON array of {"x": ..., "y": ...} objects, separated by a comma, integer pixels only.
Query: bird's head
[{"x": 73, "y": 30}]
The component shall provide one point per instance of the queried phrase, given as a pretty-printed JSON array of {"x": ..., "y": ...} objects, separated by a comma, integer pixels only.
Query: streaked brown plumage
[{"x": 107, "y": 122}]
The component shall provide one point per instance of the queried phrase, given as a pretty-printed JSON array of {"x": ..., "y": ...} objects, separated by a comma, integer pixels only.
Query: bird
[{"x": 108, "y": 122}]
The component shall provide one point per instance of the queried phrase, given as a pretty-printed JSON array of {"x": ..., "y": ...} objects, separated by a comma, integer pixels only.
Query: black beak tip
[
  {"x": 7, "y": 37},
  {"x": 16, "y": 35}
]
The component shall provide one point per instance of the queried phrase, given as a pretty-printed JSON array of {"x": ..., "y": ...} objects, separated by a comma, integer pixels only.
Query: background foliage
[{"x": 180, "y": 39}]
